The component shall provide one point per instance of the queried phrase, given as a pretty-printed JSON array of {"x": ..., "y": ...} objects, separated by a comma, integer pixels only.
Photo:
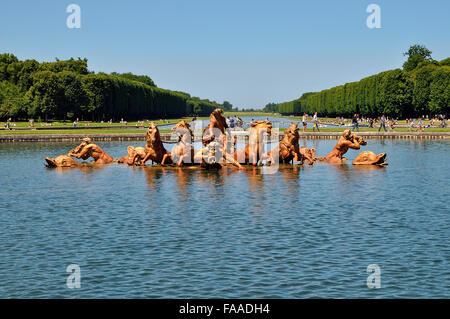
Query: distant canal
[
  {"x": 280, "y": 122},
  {"x": 302, "y": 232}
]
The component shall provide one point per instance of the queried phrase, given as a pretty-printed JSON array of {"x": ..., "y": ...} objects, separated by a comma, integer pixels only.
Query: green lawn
[
  {"x": 83, "y": 123},
  {"x": 77, "y": 131}
]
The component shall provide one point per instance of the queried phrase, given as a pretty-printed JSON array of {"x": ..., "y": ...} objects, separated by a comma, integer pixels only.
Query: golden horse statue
[
  {"x": 154, "y": 149},
  {"x": 221, "y": 148}
]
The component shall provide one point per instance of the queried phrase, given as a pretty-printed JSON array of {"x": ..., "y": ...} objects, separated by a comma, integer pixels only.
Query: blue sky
[{"x": 247, "y": 52}]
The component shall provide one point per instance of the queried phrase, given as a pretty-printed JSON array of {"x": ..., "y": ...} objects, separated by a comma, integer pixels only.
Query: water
[
  {"x": 302, "y": 232},
  {"x": 280, "y": 122}
]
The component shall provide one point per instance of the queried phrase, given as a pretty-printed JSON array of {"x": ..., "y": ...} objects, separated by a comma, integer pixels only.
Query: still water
[{"x": 302, "y": 232}]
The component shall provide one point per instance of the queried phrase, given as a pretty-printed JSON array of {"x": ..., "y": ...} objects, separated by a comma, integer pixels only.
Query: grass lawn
[
  {"x": 83, "y": 123},
  {"x": 77, "y": 131}
]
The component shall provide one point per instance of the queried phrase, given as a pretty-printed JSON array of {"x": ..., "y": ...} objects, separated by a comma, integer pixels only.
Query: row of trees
[
  {"x": 67, "y": 89},
  {"x": 421, "y": 87}
]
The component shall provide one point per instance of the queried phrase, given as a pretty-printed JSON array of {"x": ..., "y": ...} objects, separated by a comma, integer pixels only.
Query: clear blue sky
[{"x": 248, "y": 52}]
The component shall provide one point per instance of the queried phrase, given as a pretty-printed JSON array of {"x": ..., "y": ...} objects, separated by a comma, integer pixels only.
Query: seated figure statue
[
  {"x": 87, "y": 149},
  {"x": 346, "y": 141},
  {"x": 289, "y": 149}
]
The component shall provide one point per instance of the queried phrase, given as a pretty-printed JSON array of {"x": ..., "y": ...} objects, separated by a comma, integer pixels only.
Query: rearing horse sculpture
[
  {"x": 217, "y": 126},
  {"x": 154, "y": 149}
]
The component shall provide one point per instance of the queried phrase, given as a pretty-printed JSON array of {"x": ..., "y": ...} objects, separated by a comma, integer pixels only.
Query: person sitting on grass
[{"x": 392, "y": 125}]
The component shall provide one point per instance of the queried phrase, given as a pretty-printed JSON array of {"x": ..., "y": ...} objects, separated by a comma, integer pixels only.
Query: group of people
[
  {"x": 235, "y": 121},
  {"x": 8, "y": 124},
  {"x": 315, "y": 120}
]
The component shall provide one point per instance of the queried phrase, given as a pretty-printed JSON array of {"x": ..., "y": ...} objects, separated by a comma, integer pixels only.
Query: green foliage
[
  {"x": 417, "y": 54},
  {"x": 227, "y": 106},
  {"x": 138, "y": 78},
  {"x": 271, "y": 108},
  {"x": 440, "y": 91},
  {"x": 422, "y": 87},
  {"x": 12, "y": 102},
  {"x": 420, "y": 50},
  {"x": 78, "y": 66},
  {"x": 63, "y": 89}
]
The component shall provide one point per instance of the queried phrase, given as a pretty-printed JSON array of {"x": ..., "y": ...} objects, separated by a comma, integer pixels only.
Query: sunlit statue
[
  {"x": 222, "y": 148},
  {"x": 135, "y": 156},
  {"x": 62, "y": 161},
  {"x": 254, "y": 150},
  {"x": 87, "y": 149},
  {"x": 183, "y": 152},
  {"x": 289, "y": 150},
  {"x": 346, "y": 141},
  {"x": 154, "y": 149},
  {"x": 370, "y": 158}
]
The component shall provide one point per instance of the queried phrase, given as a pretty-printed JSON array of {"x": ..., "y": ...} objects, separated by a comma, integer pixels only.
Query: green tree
[{"x": 416, "y": 54}]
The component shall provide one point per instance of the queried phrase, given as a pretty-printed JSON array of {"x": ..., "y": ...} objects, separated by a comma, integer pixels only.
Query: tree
[
  {"x": 139, "y": 78},
  {"x": 420, "y": 50},
  {"x": 439, "y": 102},
  {"x": 227, "y": 106},
  {"x": 12, "y": 101},
  {"x": 416, "y": 54}
]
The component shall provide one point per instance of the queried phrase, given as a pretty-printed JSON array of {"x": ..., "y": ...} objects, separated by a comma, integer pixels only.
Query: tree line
[
  {"x": 421, "y": 87},
  {"x": 67, "y": 90}
]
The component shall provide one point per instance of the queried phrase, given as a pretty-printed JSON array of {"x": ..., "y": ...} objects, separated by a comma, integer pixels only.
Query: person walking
[
  {"x": 382, "y": 123},
  {"x": 305, "y": 124},
  {"x": 316, "y": 123},
  {"x": 420, "y": 126},
  {"x": 355, "y": 122}
]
